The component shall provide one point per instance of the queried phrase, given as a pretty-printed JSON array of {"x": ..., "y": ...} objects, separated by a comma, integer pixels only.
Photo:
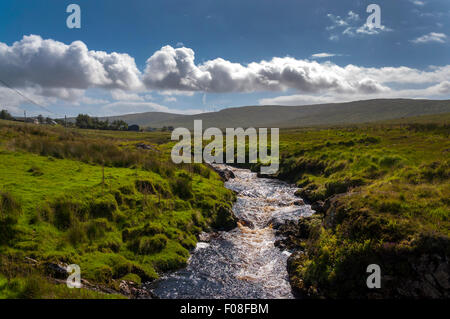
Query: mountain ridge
[{"x": 294, "y": 116}]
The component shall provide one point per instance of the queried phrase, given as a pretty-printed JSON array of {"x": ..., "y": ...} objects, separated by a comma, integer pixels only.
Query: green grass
[
  {"x": 386, "y": 190},
  {"x": 134, "y": 216}
]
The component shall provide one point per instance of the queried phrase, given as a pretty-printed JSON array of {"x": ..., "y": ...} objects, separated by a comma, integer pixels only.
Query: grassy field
[
  {"x": 382, "y": 192},
  {"x": 94, "y": 199}
]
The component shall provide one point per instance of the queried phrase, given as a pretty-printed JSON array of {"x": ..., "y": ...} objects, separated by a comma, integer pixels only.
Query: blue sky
[{"x": 208, "y": 54}]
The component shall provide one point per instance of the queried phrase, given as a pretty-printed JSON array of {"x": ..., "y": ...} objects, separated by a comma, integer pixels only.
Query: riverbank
[
  {"x": 381, "y": 195},
  {"x": 98, "y": 199}
]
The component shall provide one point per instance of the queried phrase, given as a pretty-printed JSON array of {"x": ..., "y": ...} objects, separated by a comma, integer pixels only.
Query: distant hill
[
  {"x": 149, "y": 119},
  {"x": 295, "y": 116}
]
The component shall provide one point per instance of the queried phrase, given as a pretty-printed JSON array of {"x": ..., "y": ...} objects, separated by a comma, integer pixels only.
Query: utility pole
[
  {"x": 25, "y": 116},
  {"x": 65, "y": 120}
]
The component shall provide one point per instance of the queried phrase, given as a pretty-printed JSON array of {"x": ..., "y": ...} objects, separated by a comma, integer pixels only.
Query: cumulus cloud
[
  {"x": 50, "y": 64},
  {"x": 175, "y": 69},
  {"x": 431, "y": 37},
  {"x": 50, "y": 71}
]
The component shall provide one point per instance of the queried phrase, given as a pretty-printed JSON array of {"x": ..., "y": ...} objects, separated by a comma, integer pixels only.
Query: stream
[{"x": 241, "y": 263}]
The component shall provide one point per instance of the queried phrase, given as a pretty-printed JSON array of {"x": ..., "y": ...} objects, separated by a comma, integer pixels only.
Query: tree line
[{"x": 87, "y": 122}]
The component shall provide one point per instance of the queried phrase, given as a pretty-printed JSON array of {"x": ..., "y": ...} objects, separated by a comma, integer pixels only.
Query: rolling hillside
[{"x": 295, "y": 116}]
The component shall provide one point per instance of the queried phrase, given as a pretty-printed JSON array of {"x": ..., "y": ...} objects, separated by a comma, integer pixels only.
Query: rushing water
[{"x": 242, "y": 263}]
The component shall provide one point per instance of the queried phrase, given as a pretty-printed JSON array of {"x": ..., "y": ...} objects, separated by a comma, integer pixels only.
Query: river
[{"x": 242, "y": 263}]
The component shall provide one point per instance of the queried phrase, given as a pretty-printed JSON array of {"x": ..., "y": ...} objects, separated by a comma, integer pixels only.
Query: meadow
[
  {"x": 382, "y": 196},
  {"x": 95, "y": 199},
  {"x": 122, "y": 211}
]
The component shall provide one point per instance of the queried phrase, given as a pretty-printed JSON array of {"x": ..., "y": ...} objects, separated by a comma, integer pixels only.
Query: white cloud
[
  {"x": 121, "y": 95},
  {"x": 333, "y": 37},
  {"x": 349, "y": 26},
  {"x": 176, "y": 92},
  {"x": 51, "y": 72},
  {"x": 434, "y": 91},
  {"x": 352, "y": 16},
  {"x": 175, "y": 69},
  {"x": 120, "y": 107},
  {"x": 50, "y": 64},
  {"x": 418, "y": 2},
  {"x": 371, "y": 29},
  {"x": 431, "y": 37},
  {"x": 322, "y": 55}
]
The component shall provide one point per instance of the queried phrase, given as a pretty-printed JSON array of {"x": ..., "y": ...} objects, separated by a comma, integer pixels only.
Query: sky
[{"x": 204, "y": 55}]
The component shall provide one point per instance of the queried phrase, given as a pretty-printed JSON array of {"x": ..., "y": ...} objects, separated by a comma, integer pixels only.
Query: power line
[{"x": 25, "y": 97}]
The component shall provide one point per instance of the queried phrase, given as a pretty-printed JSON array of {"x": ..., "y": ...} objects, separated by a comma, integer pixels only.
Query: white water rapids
[{"x": 242, "y": 263}]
